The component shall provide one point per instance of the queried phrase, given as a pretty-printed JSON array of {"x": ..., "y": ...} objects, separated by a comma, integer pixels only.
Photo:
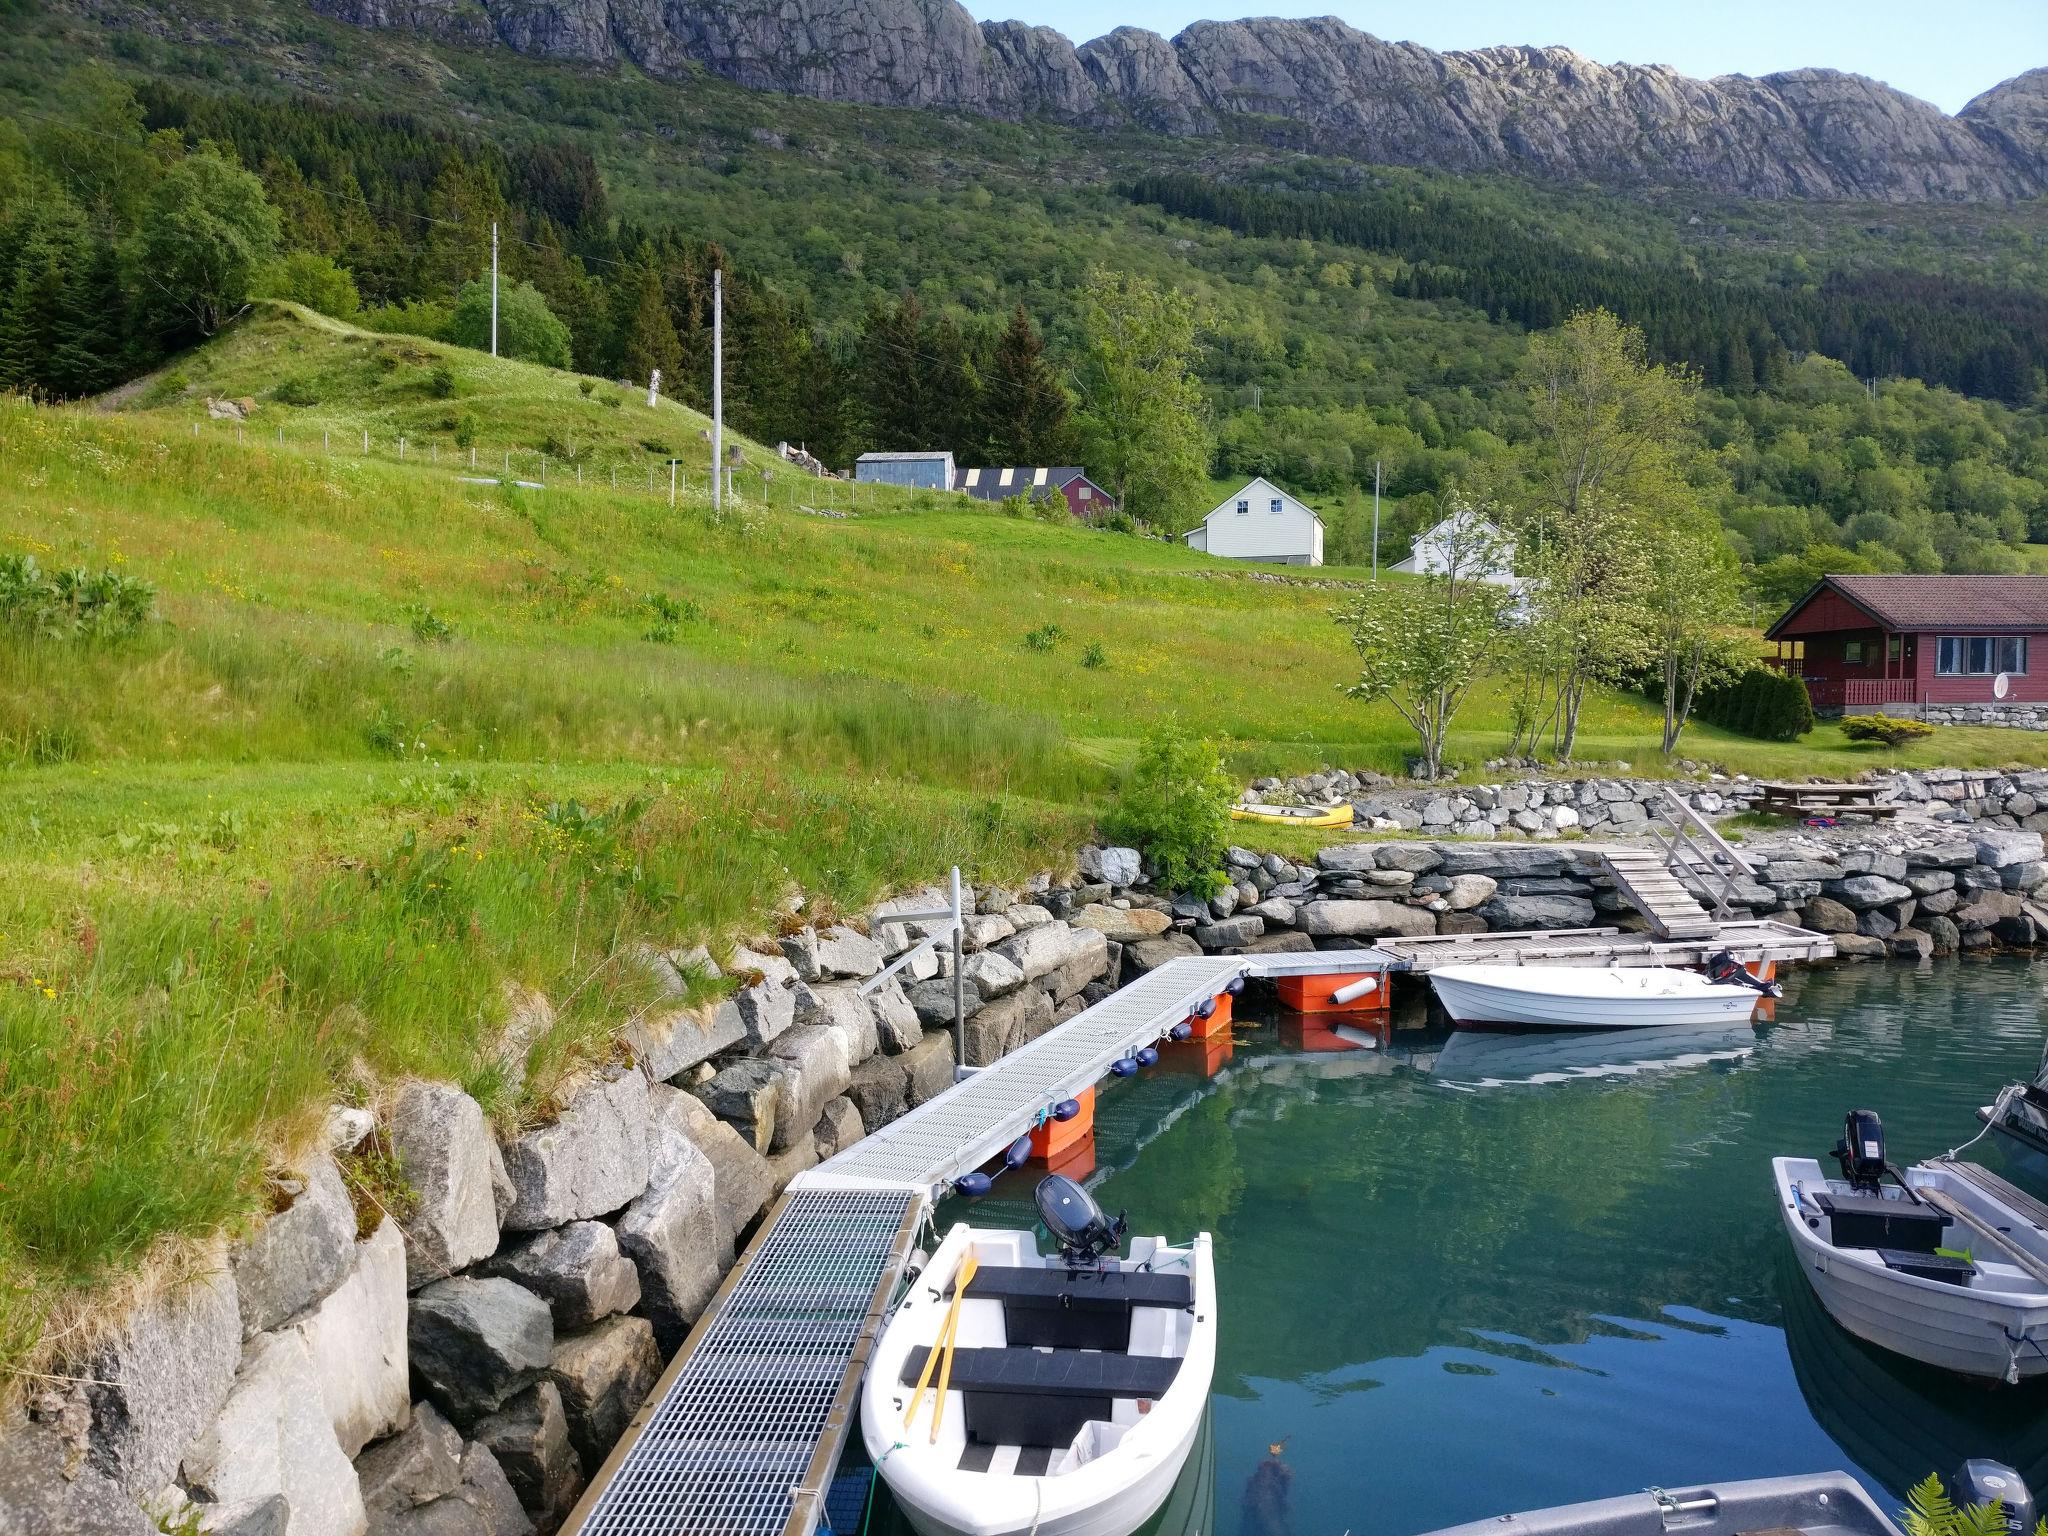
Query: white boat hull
[
  {"x": 1995, "y": 1335},
  {"x": 1586, "y": 997},
  {"x": 1111, "y": 1493}
]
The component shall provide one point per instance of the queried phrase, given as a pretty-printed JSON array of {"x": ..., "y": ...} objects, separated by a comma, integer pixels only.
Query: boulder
[
  {"x": 2016, "y": 930},
  {"x": 766, "y": 1004},
  {"x": 1415, "y": 858},
  {"x": 1958, "y": 855},
  {"x": 158, "y": 1380},
  {"x": 986, "y": 929},
  {"x": 1871, "y": 861},
  {"x": 1912, "y": 944},
  {"x": 838, "y": 1127},
  {"x": 1464, "y": 892},
  {"x": 666, "y": 1042},
  {"x": 43, "y": 1494},
  {"x": 267, "y": 1516},
  {"x": 1038, "y": 951},
  {"x": 1940, "y": 901},
  {"x": 1125, "y": 927},
  {"x": 739, "y": 1174},
  {"x": 1999, "y": 848},
  {"x": 1150, "y": 954},
  {"x": 1353, "y": 858},
  {"x": 1088, "y": 956},
  {"x": 1276, "y": 911},
  {"x": 419, "y": 1464},
  {"x": 477, "y": 1341},
  {"x": 1877, "y": 923},
  {"x": 747, "y": 1096},
  {"x": 449, "y": 1157},
  {"x": 1007, "y": 1023},
  {"x": 1501, "y": 860},
  {"x": 928, "y": 1068},
  {"x": 837, "y": 952},
  {"x": 675, "y": 1238},
  {"x": 1780, "y": 870},
  {"x": 816, "y": 1065},
  {"x": 1925, "y": 882},
  {"x": 576, "y": 1269},
  {"x": 590, "y": 1162},
  {"x": 603, "y": 1375},
  {"x": 1286, "y": 942},
  {"x": 1861, "y": 892},
  {"x": 489, "y": 1495},
  {"x": 840, "y": 1007},
  {"x": 991, "y": 973},
  {"x": 355, "y": 1340},
  {"x": 1510, "y": 913},
  {"x": 1027, "y": 914},
  {"x": 1858, "y": 946},
  {"x": 1825, "y": 915},
  {"x": 1229, "y": 932},
  {"x": 1110, "y": 866},
  {"x": 529, "y": 1437},
  {"x": 2023, "y": 877},
  {"x": 301, "y": 1253},
  {"x": 1946, "y": 937},
  {"x": 897, "y": 1024},
  {"x": 1362, "y": 919},
  {"x": 272, "y": 1437},
  {"x": 880, "y": 1090},
  {"x": 932, "y": 1000}
]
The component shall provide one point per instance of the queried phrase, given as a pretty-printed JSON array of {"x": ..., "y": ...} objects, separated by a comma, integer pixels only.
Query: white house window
[
  {"x": 1979, "y": 655},
  {"x": 1243, "y": 507},
  {"x": 1082, "y": 492},
  {"x": 1275, "y": 506}
]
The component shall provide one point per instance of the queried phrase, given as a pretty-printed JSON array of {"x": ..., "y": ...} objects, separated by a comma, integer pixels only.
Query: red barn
[
  {"x": 1911, "y": 642},
  {"x": 1085, "y": 499}
]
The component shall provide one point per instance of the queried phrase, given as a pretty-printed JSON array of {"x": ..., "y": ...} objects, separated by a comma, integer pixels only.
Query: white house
[
  {"x": 1431, "y": 551},
  {"x": 1261, "y": 522}
]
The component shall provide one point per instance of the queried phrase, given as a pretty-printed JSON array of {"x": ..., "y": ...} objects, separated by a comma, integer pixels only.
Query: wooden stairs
[{"x": 1643, "y": 876}]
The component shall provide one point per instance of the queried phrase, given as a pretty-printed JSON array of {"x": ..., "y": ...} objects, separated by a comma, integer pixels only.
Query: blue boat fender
[
  {"x": 1125, "y": 1068},
  {"x": 1236, "y": 987},
  {"x": 1148, "y": 1056},
  {"x": 974, "y": 1185},
  {"x": 1205, "y": 1008},
  {"x": 1182, "y": 1030},
  {"x": 1018, "y": 1153},
  {"x": 1066, "y": 1109}
]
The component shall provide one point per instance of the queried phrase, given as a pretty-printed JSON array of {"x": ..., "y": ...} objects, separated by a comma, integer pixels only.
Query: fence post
[
  {"x": 508, "y": 461},
  {"x": 323, "y": 440},
  {"x": 472, "y": 455},
  {"x": 366, "y": 442},
  {"x": 543, "y": 469},
  {"x": 579, "y": 474},
  {"x": 280, "y": 435},
  {"x": 401, "y": 450}
]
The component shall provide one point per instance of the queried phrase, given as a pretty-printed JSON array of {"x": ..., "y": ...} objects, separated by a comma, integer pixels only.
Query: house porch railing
[{"x": 1861, "y": 692}]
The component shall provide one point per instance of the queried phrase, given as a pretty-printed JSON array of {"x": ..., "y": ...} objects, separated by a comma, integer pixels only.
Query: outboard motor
[
  {"x": 1980, "y": 1482},
  {"x": 1076, "y": 1222},
  {"x": 1861, "y": 1150},
  {"x": 1724, "y": 970}
]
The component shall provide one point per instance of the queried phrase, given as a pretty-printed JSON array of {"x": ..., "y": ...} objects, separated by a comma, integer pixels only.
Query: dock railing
[{"x": 1698, "y": 856}]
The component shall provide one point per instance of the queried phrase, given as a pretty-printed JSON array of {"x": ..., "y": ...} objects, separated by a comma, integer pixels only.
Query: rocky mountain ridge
[{"x": 1547, "y": 112}]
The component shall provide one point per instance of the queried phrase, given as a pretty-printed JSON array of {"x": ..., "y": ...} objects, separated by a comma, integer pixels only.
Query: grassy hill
[{"x": 399, "y": 739}]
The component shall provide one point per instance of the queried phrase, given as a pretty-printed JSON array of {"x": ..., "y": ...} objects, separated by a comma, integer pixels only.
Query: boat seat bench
[
  {"x": 1078, "y": 1309},
  {"x": 1043, "y": 1396}
]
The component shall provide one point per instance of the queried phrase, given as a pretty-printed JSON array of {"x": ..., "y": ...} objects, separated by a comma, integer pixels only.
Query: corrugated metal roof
[
  {"x": 1964, "y": 604},
  {"x": 903, "y": 458},
  {"x": 997, "y": 482}
]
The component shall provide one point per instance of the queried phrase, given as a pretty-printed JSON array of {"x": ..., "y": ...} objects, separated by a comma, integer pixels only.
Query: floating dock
[{"x": 741, "y": 1435}]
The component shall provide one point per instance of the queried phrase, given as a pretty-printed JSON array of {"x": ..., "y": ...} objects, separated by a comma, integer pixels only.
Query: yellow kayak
[{"x": 1320, "y": 817}]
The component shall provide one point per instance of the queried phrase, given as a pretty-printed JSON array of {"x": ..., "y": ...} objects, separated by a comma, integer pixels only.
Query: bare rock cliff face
[{"x": 1539, "y": 111}]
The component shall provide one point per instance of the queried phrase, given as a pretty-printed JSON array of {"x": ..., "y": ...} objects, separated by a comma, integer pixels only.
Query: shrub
[
  {"x": 297, "y": 391},
  {"x": 308, "y": 278},
  {"x": 72, "y": 605},
  {"x": 1885, "y": 730},
  {"x": 668, "y": 617},
  {"x": 166, "y": 389},
  {"x": 1771, "y": 706},
  {"x": 587, "y": 386},
  {"x": 1175, "y": 806},
  {"x": 1043, "y": 638},
  {"x": 428, "y": 627},
  {"x": 415, "y": 317},
  {"x": 465, "y": 430},
  {"x": 441, "y": 382},
  {"x": 527, "y": 328},
  {"x": 1095, "y": 655}
]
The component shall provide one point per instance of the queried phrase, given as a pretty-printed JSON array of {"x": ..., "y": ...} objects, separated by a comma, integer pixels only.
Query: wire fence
[{"x": 665, "y": 478}]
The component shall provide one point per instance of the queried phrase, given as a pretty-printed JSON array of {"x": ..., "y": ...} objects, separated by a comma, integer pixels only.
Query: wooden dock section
[
  {"x": 1751, "y": 942},
  {"x": 1645, "y": 878}
]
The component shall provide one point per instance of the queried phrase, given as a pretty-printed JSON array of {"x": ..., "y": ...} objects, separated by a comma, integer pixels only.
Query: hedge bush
[
  {"x": 1885, "y": 730},
  {"x": 1771, "y": 706}
]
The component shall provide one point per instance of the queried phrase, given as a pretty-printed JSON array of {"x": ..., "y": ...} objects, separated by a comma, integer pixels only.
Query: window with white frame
[
  {"x": 1243, "y": 507},
  {"x": 1276, "y": 504},
  {"x": 1979, "y": 655}
]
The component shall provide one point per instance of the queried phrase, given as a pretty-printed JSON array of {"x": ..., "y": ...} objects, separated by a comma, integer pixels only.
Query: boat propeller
[{"x": 1076, "y": 1222}]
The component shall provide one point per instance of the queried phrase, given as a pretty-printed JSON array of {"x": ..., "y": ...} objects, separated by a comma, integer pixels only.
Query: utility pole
[
  {"x": 494, "y": 287},
  {"x": 1375, "y": 519},
  {"x": 718, "y": 393}
]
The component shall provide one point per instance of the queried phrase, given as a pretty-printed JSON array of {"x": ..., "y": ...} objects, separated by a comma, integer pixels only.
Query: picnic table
[{"x": 1804, "y": 800}]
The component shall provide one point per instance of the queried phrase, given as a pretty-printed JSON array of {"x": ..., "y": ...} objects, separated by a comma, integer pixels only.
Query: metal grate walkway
[
  {"x": 740, "y": 1436},
  {"x": 972, "y": 1121}
]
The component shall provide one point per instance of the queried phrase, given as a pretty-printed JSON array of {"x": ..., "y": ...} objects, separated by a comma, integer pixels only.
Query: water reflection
[{"x": 1462, "y": 1275}]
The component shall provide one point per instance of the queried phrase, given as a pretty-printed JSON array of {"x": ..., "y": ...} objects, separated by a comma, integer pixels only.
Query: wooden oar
[
  {"x": 944, "y": 1341},
  {"x": 968, "y": 1267}
]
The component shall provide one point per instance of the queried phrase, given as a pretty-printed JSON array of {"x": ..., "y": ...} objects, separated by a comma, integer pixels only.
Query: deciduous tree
[{"x": 1143, "y": 420}]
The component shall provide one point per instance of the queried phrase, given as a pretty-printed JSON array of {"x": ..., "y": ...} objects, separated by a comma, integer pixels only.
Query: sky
[{"x": 1944, "y": 51}]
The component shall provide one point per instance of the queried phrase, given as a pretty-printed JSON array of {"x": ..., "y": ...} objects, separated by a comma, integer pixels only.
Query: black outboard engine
[
  {"x": 1076, "y": 1222},
  {"x": 1980, "y": 1482},
  {"x": 1724, "y": 970},
  {"x": 1861, "y": 1150}
]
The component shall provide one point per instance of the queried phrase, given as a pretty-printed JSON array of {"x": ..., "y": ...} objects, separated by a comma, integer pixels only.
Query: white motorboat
[
  {"x": 1595, "y": 997},
  {"x": 1823, "y": 1504},
  {"x": 1014, "y": 1392},
  {"x": 2019, "y": 1115},
  {"x": 1947, "y": 1265}
]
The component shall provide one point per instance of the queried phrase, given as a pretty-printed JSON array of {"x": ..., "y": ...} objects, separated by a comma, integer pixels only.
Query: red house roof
[{"x": 1918, "y": 604}]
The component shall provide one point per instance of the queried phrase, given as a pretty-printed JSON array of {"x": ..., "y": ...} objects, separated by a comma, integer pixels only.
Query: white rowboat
[
  {"x": 1587, "y": 997},
  {"x": 1988, "y": 1319},
  {"x": 1073, "y": 1395}
]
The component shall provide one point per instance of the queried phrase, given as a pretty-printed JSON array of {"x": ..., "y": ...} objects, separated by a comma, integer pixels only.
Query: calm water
[{"x": 1462, "y": 1275}]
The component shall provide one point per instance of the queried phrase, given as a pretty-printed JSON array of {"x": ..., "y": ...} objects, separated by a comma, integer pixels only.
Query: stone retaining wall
[
  {"x": 2019, "y": 717},
  {"x": 460, "y": 1360}
]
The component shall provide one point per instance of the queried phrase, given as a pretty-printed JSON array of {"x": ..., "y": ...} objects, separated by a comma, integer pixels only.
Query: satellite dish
[{"x": 2001, "y": 685}]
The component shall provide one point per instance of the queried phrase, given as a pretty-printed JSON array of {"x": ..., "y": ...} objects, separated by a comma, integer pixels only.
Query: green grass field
[{"x": 399, "y": 740}]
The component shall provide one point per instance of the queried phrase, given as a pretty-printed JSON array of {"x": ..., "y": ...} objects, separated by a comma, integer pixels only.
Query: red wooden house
[{"x": 1865, "y": 642}]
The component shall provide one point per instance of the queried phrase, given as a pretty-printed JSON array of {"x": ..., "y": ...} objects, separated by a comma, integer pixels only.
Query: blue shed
[{"x": 926, "y": 471}]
